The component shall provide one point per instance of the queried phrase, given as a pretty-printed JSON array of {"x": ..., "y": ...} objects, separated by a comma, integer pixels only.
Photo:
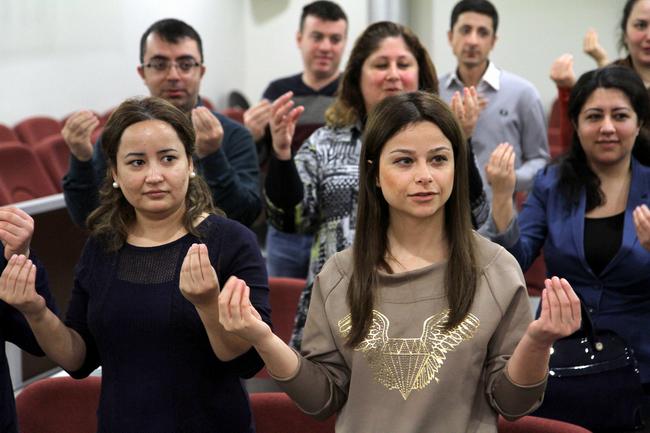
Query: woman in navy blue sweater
[{"x": 145, "y": 300}]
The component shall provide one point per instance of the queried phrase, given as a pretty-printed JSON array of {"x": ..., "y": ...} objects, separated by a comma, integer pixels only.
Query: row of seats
[
  {"x": 63, "y": 405},
  {"x": 34, "y": 157}
]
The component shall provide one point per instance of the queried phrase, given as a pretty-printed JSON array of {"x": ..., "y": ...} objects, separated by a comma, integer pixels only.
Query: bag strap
[{"x": 587, "y": 328}]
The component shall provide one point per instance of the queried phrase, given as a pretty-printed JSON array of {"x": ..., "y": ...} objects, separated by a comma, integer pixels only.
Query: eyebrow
[
  {"x": 410, "y": 152},
  {"x": 132, "y": 154},
  {"x": 182, "y": 57},
  {"x": 613, "y": 109}
]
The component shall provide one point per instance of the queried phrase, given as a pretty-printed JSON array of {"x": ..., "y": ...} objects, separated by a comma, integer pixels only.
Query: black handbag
[{"x": 593, "y": 381}]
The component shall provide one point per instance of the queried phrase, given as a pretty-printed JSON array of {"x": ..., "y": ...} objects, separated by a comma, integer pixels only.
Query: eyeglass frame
[{"x": 172, "y": 64}]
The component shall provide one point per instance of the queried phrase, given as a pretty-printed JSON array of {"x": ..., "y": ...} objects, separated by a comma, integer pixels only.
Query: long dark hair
[
  {"x": 627, "y": 10},
  {"x": 349, "y": 107},
  {"x": 111, "y": 220},
  {"x": 388, "y": 118},
  {"x": 575, "y": 173}
]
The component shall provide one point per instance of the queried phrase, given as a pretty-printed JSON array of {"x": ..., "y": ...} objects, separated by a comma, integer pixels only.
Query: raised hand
[
  {"x": 198, "y": 280},
  {"x": 16, "y": 230},
  {"x": 18, "y": 286},
  {"x": 209, "y": 132},
  {"x": 560, "y": 316},
  {"x": 283, "y": 124},
  {"x": 641, "y": 217},
  {"x": 500, "y": 171},
  {"x": 592, "y": 48},
  {"x": 238, "y": 316},
  {"x": 257, "y": 117},
  {"x": 77, "y": 133},
  {"x": 467, "y": 108},
  {"x": 562, "y": 72}
]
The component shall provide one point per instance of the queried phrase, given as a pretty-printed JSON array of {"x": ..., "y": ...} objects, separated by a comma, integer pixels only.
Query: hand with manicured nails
[
  {"x": 209, "y": 132},
  {"x": 257, "y": 117},
  {"x": 500, "y": 171},
  {"x": 77, "y": 133},
  {"x": 562, "y": 72},
  {"x": 18, "y": 286},
  {"x": 641, "y": 217},
  {"x": 198, "y": 280},
  {"x": 16, "y": 230},
  {"x": 238, "y": 316},
  {"x": 283, "y": 124},
  {"x": 560, "y": 315},
  {"x": 467, "y": 108}
]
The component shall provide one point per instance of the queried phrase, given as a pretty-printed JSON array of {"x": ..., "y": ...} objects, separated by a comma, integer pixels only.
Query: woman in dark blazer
[{"x": 589, "y": 213}]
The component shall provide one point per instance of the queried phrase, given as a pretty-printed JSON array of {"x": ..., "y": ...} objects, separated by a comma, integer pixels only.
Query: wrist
[
  {"x": 283, "y": 154},
  {"x": 534, "y": 345}
]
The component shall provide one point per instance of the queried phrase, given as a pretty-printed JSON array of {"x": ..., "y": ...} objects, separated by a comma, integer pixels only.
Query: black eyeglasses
[{"x": 183, "y": 66}]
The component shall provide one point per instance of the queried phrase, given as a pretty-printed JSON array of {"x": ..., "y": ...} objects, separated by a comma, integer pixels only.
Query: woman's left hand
[
  {"x": 641, "y": 217},
  {"x": 560, "y": 316},
  {"x": 198, "y": 280}
]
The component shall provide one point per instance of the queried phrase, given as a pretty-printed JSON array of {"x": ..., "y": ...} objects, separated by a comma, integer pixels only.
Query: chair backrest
[
  {"x": 236, "y": 114},
  {"x": 54, "y": 154},
  {"x": 7, "y": 134},
  {"x": 22, "y": 175},
  {"x": 59, "y": 405},
  {"x": 534, "y": 424},
  {"x": 284, "y": 296},
  {"x": 34, "y": 129},
  {"x": 274, "y": 412}
]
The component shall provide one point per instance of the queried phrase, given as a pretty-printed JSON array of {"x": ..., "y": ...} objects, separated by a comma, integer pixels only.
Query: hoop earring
[{"x": 116, "y": 185}]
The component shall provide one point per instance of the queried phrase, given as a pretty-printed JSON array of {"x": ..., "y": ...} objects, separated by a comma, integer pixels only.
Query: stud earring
[
  {"x": 115, "y": 185},
  {"x": 192, "y": 175}
]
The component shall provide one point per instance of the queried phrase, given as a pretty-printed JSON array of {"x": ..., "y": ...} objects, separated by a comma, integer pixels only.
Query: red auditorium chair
[
  {"x": 534, "y": 424},
  {"x": 23, "y": 176},
  {"x": 284, "y": 294},
  {"x": 55, "y": 157},
  {"x": 59, "y": 405},
  {"x": 274, "y": 412},
  {"x": 7, "y": 134},
  {"x": 34, "y": 129},
  {"x": 236, "y": 114},
  {"x": 207, "y": 103}
]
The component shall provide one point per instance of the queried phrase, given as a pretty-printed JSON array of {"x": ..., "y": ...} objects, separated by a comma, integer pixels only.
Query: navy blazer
[{"x": 619, "y": 297}]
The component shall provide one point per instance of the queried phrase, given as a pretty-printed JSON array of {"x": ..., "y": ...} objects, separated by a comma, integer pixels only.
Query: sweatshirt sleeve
[
  {"x": 507, "y": 398},
  {"x": 320, "y": 385}
]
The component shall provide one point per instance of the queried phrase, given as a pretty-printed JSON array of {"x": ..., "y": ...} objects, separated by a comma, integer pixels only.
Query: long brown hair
[
  {"x": 388, "y": 118},
  {"x": 349, "y": 107},
  {"x": 111, "y": 220}
]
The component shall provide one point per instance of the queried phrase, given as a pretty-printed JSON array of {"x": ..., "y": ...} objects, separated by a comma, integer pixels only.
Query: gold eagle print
[{"x": 407, "y": 364}]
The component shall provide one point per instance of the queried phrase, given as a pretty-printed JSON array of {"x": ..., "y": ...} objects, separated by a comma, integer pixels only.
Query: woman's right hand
[
  {"x": 283, "y": 124},
  {"x": 18, "y": 287},
  {"x": 238, "y": 316}
]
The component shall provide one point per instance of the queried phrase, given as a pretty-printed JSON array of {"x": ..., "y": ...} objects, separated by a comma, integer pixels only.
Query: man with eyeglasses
[{"x": 171, "y": 66}]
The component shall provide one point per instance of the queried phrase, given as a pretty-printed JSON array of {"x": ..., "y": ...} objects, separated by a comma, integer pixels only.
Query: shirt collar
[{"x": 491, "y": 77}]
